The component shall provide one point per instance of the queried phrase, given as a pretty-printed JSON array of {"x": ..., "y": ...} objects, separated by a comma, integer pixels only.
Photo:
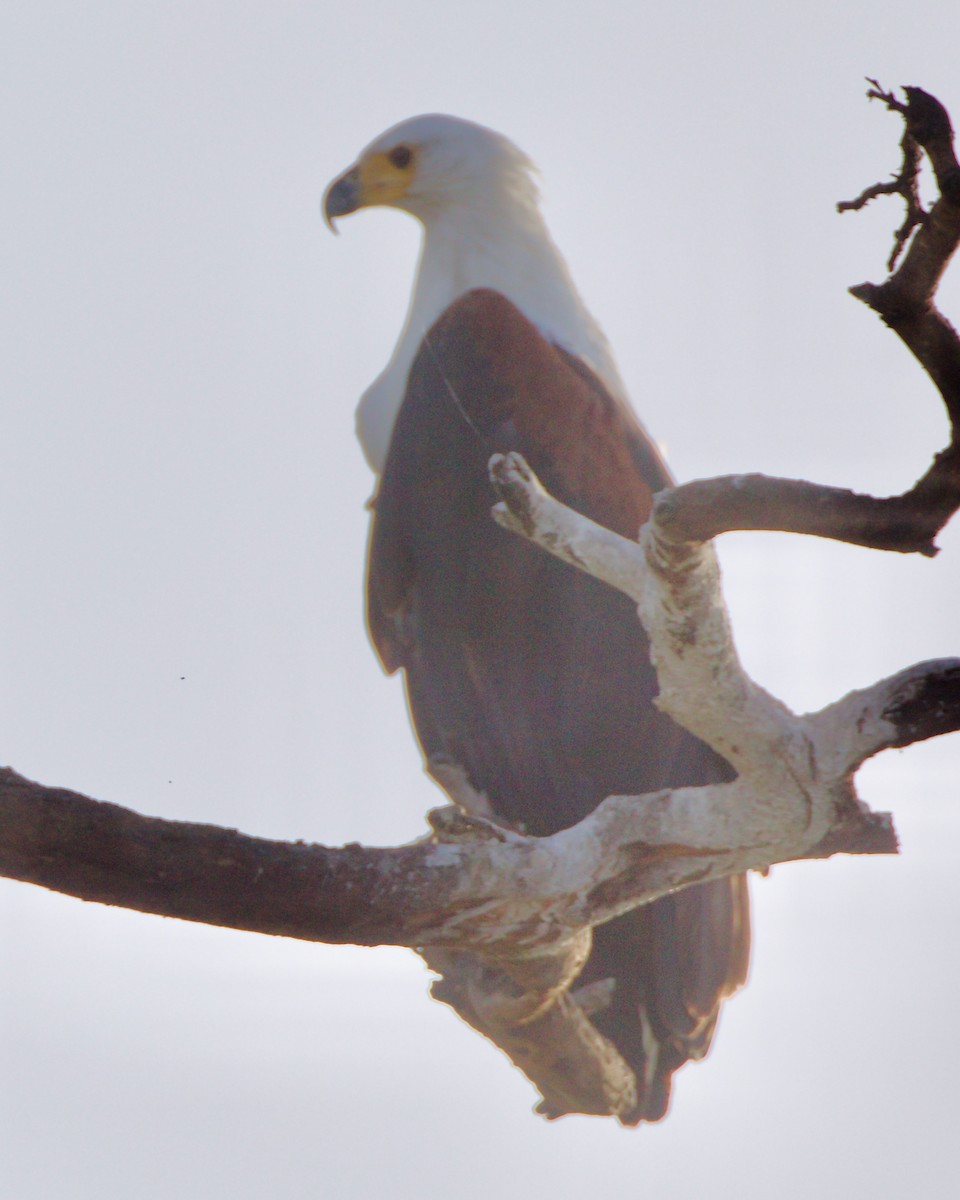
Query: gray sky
[{"x": 183, "y": 531}]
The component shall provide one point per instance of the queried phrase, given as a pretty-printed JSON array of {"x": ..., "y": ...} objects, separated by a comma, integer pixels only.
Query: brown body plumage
[{"x": 529, "y": 675}]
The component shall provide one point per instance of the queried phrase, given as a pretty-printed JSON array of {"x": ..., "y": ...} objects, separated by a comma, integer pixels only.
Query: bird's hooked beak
[
  {"x": 378, "y": 177},
  {"x": 343, "y": 196}
]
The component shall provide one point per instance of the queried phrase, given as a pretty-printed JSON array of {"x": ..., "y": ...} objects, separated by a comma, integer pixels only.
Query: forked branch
[{"x": 907, "y": 523}]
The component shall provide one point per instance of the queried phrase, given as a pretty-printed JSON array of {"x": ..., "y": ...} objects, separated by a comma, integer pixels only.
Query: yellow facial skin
[
  {"x": 382, "y": 181},
  {"x": 381, "y": 178}
]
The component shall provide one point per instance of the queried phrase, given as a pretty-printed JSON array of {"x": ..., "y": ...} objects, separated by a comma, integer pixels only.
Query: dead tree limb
[
  {"x": 506, "y": 919},
  {"x": 907, "y": 523}
]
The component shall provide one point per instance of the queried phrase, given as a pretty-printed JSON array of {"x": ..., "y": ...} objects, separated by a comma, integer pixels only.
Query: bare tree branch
[
  {"x": 905, "y": 300},
  {"x": 905, "y": 183},
  {"x": 908, "y": 523}
]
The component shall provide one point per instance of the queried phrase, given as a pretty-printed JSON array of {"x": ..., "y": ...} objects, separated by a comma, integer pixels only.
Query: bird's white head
[{"x": 434, "y": 164}]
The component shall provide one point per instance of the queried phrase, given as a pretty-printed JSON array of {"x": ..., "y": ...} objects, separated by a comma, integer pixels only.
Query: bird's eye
[{"x": 401, "y": 157}]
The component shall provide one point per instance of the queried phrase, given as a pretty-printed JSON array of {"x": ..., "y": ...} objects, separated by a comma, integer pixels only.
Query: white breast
[{"x": 509, "y": 251}]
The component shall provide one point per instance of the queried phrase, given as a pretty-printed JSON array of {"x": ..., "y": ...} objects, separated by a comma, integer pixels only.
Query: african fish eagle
[{"x": 530, "y": 677}]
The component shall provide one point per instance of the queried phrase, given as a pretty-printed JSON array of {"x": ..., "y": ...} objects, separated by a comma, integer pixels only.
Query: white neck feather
[{"x": 498, "y": 242}]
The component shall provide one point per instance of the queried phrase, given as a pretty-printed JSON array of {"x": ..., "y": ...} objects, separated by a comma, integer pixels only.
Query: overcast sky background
[{"x": 182, "y": 533}]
